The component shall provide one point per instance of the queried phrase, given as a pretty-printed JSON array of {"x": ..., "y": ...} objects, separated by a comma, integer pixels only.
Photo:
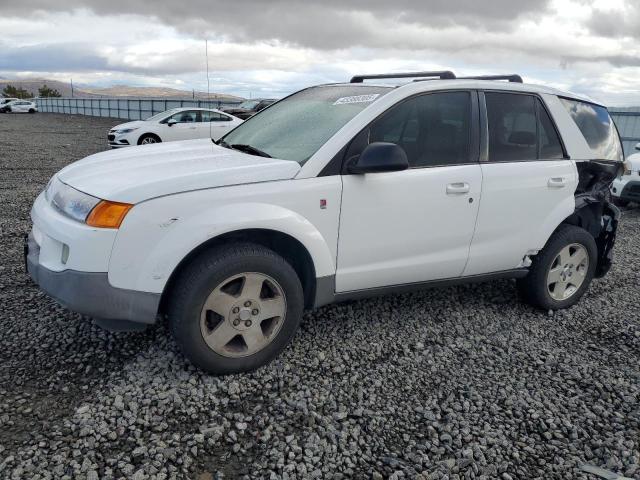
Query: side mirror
[
  {"x": 380, "y": 157},
  {"x": 638, "y": 146},
  {"x": 172, "y": 122}
]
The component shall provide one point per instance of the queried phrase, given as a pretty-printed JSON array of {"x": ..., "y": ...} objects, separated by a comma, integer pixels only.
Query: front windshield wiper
[{"x": 249, "y": 149}]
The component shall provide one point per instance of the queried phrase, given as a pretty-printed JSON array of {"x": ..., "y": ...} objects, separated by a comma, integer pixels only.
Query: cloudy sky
[{"x": 270, "y": 48}]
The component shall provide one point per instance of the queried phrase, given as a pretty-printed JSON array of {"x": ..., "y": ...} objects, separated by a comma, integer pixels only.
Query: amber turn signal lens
[{"x": 108, "y": 214}]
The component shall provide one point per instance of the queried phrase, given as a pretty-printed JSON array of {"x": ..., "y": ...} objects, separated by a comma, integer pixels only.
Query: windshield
[
  {"x": 161, "y": 115},
  {"x": 296, "y": 127}
]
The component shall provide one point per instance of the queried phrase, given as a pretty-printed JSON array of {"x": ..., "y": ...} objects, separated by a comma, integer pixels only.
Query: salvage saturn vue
[{"x": 336, "y": 192}]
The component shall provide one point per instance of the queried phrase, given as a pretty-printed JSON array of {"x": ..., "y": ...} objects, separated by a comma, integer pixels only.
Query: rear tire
[
  {"x": 149, "y": 139},
  {"x": 31, "y": 110},
  {"x": 235, "y": 308},
  {"x": 562, "y": 271}
]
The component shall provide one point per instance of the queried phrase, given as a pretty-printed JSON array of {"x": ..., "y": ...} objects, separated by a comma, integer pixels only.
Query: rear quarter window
[{"x": 597, "y": 127}]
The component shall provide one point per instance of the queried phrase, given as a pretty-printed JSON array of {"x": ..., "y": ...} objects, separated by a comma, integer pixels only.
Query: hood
[
  {"x": 134, "y": 124},
  {"x": 134, "y": 174}
]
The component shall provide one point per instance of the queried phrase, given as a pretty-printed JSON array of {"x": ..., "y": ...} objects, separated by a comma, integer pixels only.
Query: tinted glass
[
  {"x": 297, "y": 126},
  {"x": 512, "y": 127},
  {"x": 189, "y": 116},
  {"x": 550, "y": 146},
  {"x": 432, "y": 129},
  {"x": 597, "y": 127},
  {"x": 214, "y": 117}
]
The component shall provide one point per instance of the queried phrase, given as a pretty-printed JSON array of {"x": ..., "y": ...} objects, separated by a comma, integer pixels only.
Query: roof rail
[
  {"x": 515, "y": 78},
  {"x": 442, "y": 75}
]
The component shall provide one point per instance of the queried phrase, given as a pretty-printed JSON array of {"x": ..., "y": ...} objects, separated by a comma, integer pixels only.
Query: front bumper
[
  {"x": 117, "y": 140},
  {"x": 90, "y": 293}
]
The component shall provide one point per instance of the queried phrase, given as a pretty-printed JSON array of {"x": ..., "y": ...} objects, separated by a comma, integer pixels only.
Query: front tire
[
  {"x": 562, "y": 271},
  {"x": 234, "y": 309},
  {"x": 149, "y": 139}
]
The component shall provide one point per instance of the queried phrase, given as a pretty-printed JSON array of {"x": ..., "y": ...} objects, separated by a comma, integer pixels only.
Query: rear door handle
[
  {"x": 557, "y": 182},
  {"x": 458, "y": 188}
]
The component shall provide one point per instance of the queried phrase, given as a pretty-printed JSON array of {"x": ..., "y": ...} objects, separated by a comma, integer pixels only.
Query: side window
[
  {"x": 214, "y": 117},
  {"x": 597, "y": 127},
  {"x": 433, "y": 129},
  {"x": 188, "y": 116},
  {"x": 550, "y": 146},
  {"x": 512, "y": 127}
]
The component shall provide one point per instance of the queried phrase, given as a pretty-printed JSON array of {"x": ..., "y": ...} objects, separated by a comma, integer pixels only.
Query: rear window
[{"x": 597, "y": 127}]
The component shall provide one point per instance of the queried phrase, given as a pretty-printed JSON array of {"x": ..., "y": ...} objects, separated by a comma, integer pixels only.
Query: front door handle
[
  {"x": 458, "y": 188},
  {"x": 557, "y": 182}
]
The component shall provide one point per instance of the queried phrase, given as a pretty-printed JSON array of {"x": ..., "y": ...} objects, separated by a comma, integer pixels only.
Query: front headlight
[
  {"x": 126, "y": 130},
  {"x": 73, "y": 203}
]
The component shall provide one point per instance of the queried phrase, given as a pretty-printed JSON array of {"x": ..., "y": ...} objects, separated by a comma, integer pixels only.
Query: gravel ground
[{"x": 455, "y": 383}]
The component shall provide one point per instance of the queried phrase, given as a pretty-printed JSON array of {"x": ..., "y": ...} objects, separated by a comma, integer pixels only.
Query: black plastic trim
[
  {"x": 90, "y": 293},
  {"x": 325, "y": 289}
]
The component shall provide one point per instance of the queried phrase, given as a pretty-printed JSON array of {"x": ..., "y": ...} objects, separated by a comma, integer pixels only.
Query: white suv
[{"x": 336, "y": 192}]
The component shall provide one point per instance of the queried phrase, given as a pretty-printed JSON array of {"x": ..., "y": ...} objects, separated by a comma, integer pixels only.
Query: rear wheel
[
  {"x": 562, "y": 271},
  {"x": 148, "y": 139},
  {"x": 31, "y": 110},
  {"x": 233, "y": 309}
]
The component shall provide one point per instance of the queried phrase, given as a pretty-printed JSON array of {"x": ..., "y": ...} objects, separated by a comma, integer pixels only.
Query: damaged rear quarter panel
[{"x": 594, "y": 211}]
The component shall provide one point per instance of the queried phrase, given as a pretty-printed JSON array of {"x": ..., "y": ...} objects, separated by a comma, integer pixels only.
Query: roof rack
[
  {"x": 442, "y": 75},
  {"x": 515, "y": 78}
]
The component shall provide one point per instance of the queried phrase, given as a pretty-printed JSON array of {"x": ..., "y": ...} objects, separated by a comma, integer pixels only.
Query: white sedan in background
[
  {"x": 19, "y": 106},
  {"x": 175, "y": 124}
]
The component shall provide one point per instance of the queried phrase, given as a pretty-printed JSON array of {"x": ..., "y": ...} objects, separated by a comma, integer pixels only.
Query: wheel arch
[
  {"x": 287, "y": 246},
  {"x": 599, "y": 218},
  {"x": 148, "y": 134}
]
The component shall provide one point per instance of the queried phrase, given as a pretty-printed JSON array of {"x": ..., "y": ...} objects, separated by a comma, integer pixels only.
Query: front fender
[{"x": 156, "y": 235}]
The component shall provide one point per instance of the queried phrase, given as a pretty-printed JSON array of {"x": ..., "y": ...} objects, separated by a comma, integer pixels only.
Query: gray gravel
[{"x": 457, "y": 383}]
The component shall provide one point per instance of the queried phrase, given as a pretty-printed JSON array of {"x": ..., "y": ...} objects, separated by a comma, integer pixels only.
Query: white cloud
[{"x": 272, "y": 48}]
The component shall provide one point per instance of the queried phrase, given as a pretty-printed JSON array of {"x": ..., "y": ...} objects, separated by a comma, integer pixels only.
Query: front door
[
  {"x": 415, "y": 225},
  {"x": 186, "y": 127}
]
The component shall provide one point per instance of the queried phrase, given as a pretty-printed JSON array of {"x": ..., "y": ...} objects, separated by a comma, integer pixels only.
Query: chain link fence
[{"x": 127, "y": 108}]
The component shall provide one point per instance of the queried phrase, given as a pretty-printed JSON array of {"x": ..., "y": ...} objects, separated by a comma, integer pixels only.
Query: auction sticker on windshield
[{"x": 356, "y": 99}]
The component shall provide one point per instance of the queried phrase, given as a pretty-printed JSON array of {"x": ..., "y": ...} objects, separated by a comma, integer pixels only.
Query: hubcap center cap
[{"x": 245, "y": 314}]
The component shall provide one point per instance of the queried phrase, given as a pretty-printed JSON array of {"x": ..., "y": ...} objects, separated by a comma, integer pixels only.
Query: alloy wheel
[
  {"x": 243, "y": 314},
  {"x": 568, "y": 272}
]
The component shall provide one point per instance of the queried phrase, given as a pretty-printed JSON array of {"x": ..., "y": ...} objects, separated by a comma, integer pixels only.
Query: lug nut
[
  {"x": 247, "y": 323},
  {"x": 254, "y": 311},
  {"x": 236, "y": 322},
  {"x": 235, "y": 310},
  {"x": 247, "y": 303}
]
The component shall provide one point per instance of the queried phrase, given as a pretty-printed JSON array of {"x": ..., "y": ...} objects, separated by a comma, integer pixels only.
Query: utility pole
[
  {"x": 206, "y": 53},
  {"x": 72, "y": 88}
]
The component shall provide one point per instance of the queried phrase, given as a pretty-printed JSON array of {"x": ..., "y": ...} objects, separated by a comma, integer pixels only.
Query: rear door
[
  {"x": 528, "y": 183},
  {"x": 215, "y": 124},
  {"x": 414, "y": 225}
]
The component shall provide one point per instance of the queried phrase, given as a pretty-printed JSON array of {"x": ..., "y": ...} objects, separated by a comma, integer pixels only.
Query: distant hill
[{"x": 32, "y": 85}]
